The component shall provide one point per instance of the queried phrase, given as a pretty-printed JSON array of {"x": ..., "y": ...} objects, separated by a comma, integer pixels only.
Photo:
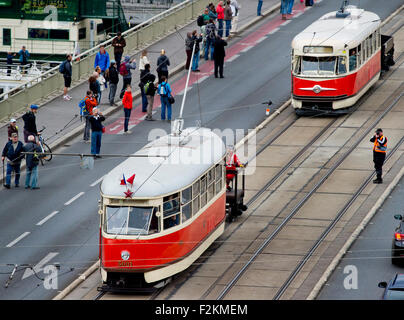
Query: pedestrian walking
[
  {"x": 165, "y": 92},
  {"x": 228, "y": 16},
  {"x": 102, "y": 60},
  {"x": 195, "y": 42},
  {"x": 95, "y": 87},
  {"x": 12, "y": 152},
  {"x": 29, "y": 119},
  {"x": 90, "y": 104},
  {"x": 162, "y": 65},
  {"x": 113, "y": 78},
  {"x": 218, "y": 55},
  {"x": 259, "y": 7},
  {"x": 10, "y": 57},
  {"x": 150, "y": 90},
  {"x": 32, "y": 161},
  {"x": 286, "y": 8},
  {"x": 124, "y": 71},
  {"x": 142, "y": 63},
  {"x": 127, "y": 103},
  {"x": 235, "y": 8},
  {"x": 188, "y": 49},
  {"x": 119, "y": 43},
  {"x": 210, "y": 38},
  {"x": 24, "y": 56},
  {"x": 65, "y": 68},
  {"x": 220, "y": 17},
  {"x": 12, "y": 128},
  {"x": 96, "y": 132},
  {"x": 379, "y": 153}
]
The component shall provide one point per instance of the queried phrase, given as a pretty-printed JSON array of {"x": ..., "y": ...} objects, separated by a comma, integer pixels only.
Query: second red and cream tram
[
  {"x": 161, "y": 212},
  {"x": 335, "y": 61}
]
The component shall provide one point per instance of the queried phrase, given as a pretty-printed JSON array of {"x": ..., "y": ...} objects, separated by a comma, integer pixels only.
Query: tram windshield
[
  {"x": 130, "y": 220},
  {"x": 315, "y": 66}
]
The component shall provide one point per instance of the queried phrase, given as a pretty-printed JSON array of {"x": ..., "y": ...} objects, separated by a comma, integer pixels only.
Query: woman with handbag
[{"x": 166, "y": 98}]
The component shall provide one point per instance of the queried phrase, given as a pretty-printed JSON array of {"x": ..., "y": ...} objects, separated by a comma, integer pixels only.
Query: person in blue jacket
[
  {"x": 12, "y": 151},
  {"x": 102, "y": 60},
  {"x": 24, "y": 56},
  {"x": 164, "y": 90}
]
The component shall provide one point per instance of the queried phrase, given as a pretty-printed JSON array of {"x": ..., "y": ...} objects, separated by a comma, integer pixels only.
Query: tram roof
[
  {"x": 173, "y": 163},
  {"x": 338, "y": 32}
]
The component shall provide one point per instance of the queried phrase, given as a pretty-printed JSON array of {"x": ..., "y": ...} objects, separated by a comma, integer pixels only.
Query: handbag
[
  {"x": 103, "y": 129},
  {"x": 171, "y": 99}
]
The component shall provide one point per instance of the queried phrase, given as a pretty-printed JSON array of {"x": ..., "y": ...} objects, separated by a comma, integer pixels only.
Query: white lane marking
[
  {"x": 74, "y": 198},
  {"x": 38, "y": 267},
  {"x": 261, "y": 39},
  {"x": 273, "y": 31},
  {"x": 97, "y": 182},
  {"x": 298, "y": 15},
  {"x": 233, "y": 58},
  {"x": 18, "y": 239},
  {"x": 246, "y": 49},
  {"x": 47, "y": 218},
  {"x": 286, "y": 22},
  {"x": 116, "y": 127},
  {"x": 182, "y": 91},
  {"x": 203, "y": 79}
]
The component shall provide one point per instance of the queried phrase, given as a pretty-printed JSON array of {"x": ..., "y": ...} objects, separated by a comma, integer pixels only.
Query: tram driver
[{"x": 232, "y": 162}]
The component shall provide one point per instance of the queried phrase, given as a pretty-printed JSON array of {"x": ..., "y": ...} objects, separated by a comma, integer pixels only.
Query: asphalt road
[
  {"x": 70, "y": 236},
  {"x": 369, "y": 256}
]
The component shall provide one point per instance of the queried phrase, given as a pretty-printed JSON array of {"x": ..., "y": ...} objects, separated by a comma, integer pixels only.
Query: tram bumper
[{"x": 317, "y": 108}]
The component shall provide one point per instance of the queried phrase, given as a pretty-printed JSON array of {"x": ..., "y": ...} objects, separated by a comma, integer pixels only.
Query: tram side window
[
  {"x": 375, "y": 41},
  {"x": 186, "y": 203},
  {"x": 211, "y": 184},
  {"x": 195, "y": 197},
  {"x": 171, "y": 210},
  {"x": 352, "y": 59},
  {"x": 203, "y": 191},
  {"x": 219, "y": 178},
  {"x": 359, "y": 55},
  {"x": 378, "y": 38}
]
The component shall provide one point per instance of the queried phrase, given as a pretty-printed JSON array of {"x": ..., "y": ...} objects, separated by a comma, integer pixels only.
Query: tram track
[{"x": 295, "y": 158}]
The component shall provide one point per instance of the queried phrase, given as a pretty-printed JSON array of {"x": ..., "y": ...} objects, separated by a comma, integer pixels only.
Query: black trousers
[
  {"x": 162, "y": 73},
  {"x": 219, "y": 67},
  {"x": 378, "y": 159},
  {"x": 126, "y": 81}
]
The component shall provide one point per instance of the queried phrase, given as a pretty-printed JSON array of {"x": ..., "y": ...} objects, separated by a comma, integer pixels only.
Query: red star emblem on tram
[{"x": 128, "y": 194}]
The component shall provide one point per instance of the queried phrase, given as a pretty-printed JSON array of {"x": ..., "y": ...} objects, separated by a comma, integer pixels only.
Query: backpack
[
  {"x": 210, "y": 31},
  {"x": 163, "y": 90},
  {"x": 149, "y": 88},
  {"x": 83, "y": 107},
  {"x": 199, "y": 21},
  {"x": 123, "y": 70},
  {"x": 62, "y": 67}
]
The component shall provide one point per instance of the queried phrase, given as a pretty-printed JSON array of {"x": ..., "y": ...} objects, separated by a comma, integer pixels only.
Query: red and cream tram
[
  {"x": 160, "y": 213},
  {"x": 335, "y": 61}
]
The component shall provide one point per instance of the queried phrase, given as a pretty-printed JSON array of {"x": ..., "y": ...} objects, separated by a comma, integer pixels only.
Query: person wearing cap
[
  {"x": 162, "y": 65},
  {"x": 32, "y": 161},
  {"x": 12, "y": 151},
  {"x": 96, "y": 132},
  {"x": 12, "y": 128},
  {"x": 118, "y": 43},
  {"x": 379, "y": 153},
  {"x": 113, "y": 78},
  {"x": 30, "y": 122}
]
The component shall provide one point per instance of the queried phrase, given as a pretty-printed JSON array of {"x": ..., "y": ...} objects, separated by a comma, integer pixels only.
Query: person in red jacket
[
  {"x": 91, "y": 102},
  {"x": 127, "y": 102},
  {"x": 220, "y": 17},
  {"x": 232, "y": 162}
]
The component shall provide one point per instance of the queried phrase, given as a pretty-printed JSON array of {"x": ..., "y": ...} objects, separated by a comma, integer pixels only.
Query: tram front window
[
  {"x": 318, "y": 65},
  {"x": 129, "y": 220}
]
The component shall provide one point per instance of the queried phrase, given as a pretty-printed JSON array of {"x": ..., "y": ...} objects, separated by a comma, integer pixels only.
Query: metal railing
[{"x": 137, "y": 37}]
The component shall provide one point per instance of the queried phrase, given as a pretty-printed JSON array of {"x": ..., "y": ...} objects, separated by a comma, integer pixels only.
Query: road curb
[{"x": 317, "y": 288}]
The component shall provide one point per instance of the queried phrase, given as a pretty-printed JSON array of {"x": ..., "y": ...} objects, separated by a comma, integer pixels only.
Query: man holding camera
[{"x": 379, "y": 153}]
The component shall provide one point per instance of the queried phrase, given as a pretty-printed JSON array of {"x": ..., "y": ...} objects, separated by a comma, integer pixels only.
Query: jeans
[
  {"x": 96, "y": 142},
  {"x": 127, "y": 113},
  {"x": 220, "y": 27},
  {"x": 165, "y": 104},
  {"x": 228, "y": 27},
  {"x": 87, "y": 128},
  {"x": 150, "y": 102},
  {"x": 99, "y": 97},
  {"x": 286, "y": 6},
  {"x": 10, "y": 169},
  {"x": 31, "y": 173},
  {"x": 209, "y": 43},
  {"x": 144, "y": 100},
  {"x": 259, "y": 7},
  {"x": 290, "y": 6},
  {"x": 195, "y": 61},
  {"x": 112, "y": 92}
]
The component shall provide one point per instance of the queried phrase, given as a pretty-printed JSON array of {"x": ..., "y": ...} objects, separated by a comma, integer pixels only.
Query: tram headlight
[{"x": 125, "y": 255}]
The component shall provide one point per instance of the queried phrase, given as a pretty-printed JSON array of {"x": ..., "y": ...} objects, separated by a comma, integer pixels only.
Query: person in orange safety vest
[{"x": 379, "y": 153}]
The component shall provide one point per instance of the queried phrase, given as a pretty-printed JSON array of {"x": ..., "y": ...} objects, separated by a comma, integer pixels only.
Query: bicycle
[{"x": 44, "y": 148}]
